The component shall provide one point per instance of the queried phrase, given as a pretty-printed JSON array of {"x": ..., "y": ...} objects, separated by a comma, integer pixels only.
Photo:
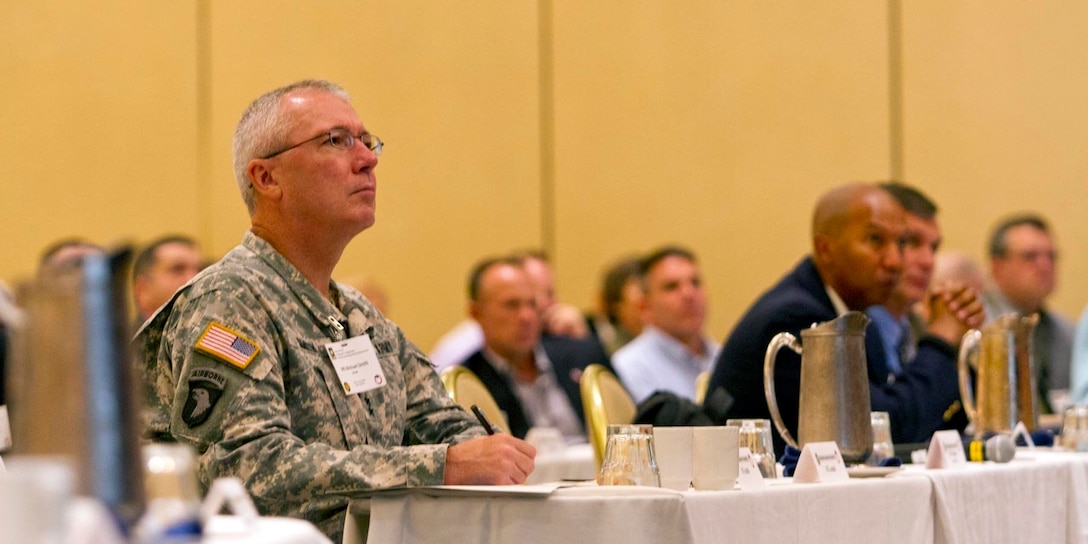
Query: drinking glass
[
  {"x": 882, "y": 438},
  {"x": 755, "y": 434},
  {"x": 1075, "y": 428},
  {"x": 629, "y": 457}
]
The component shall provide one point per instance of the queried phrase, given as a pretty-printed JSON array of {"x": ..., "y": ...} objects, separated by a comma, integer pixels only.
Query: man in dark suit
[
  {"x": 856, "y": 261},
  {"x": 533, "y": 379}
]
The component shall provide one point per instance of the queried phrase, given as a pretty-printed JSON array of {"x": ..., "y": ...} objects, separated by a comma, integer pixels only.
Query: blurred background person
[
  {"x": 65, "y": 253},
  {"x": 1023, "y": 261},
  {"x": 534, "y": 378},
  {"x": 373, "y": 290},
  {"x": 556, "y": 318},
  {"x": 898, "y": 325},
  {"x": 855, "y": 262},
  {"x": 618, "y": 318},
  {"x": 954, "y": 266},
  {"x": 1078, "y": 390},
  {"x": 161, "y": 267},
  {"x": 672, "y": 349},
  {"x": 9, "y": 314}
]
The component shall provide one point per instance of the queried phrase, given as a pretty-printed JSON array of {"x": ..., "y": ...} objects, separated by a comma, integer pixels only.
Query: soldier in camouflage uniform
[{"x": 243, "y": 362}]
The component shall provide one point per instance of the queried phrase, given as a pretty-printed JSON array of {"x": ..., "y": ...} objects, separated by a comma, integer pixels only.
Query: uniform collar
[{"x": 322, "y": 310}]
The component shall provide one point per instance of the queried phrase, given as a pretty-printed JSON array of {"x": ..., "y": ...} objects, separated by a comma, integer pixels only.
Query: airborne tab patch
[
  {"x": 227, "y": 345},
  {"x": 205, "y": 388}
]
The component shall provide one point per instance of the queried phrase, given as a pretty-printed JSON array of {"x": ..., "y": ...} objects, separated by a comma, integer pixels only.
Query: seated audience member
[
  {"x": 160, "y": 269},
  {"x": 556, "y": 318},
  {"x": 951, "y": 266},
  {"x": 66, "y": 253},
  {"x": 672, "y": 349},
  {"x": 896, "y": 321},
  {"x": 618, "y": 318},
  {"x": 957, "y": 266},
  {"x": 8, "y": 314},
  {"x": 533, "y": 378},
  {"x": 251, "y": 363},
  {"x": 1022, "y": 267},
  {"x": 1079, "y": 389},
  {"x": 855, "y": 263}
]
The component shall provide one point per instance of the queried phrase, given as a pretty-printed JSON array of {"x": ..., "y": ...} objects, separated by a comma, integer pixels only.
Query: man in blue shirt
[{"x": 672, "y": 349}]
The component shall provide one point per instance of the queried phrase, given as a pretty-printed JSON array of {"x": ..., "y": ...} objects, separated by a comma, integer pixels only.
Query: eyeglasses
[{"x": 339, "y": 138}]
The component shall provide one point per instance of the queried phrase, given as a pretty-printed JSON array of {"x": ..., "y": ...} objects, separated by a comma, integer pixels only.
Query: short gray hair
[{"x": 263, "y": 128}]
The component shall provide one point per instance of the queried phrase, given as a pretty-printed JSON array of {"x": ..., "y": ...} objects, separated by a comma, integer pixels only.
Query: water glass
[
  {"x": 629, "y": 457},
  {"x": 1075, "y": 428},
  {"x": 755, "y": 434},
  {"x": 882, "y": 438}
]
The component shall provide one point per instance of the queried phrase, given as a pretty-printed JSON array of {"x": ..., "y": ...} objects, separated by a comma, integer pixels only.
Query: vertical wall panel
[
  {"x": 996, "y": 121},
  {"x": 714, "y": 125},
  {"x": 98, "y": 136}
]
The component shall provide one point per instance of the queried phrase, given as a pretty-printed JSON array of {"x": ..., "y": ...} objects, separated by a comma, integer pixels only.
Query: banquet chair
[
  {"x": 701, "y": 383},
  {"x": 605, "y": 402},
  {"x": 466, "y": 389}
]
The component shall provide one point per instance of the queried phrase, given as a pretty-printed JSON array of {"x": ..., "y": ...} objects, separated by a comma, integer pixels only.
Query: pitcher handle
[
  {"x": 781, "y": 339},
  {"x": 970, "y": 343}
]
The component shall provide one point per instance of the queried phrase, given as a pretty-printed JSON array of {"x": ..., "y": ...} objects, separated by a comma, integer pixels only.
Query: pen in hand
[{"x": 483, "y": 420}]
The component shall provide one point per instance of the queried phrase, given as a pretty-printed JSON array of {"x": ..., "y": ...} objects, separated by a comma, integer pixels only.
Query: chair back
[
  {"x": 605, "y": 402},
  {"x": 466, "y": 389},
  {"x": 702, "y": 381}
]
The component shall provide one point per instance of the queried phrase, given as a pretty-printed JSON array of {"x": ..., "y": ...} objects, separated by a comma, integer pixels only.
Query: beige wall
[{"x": 592, "y": 129}]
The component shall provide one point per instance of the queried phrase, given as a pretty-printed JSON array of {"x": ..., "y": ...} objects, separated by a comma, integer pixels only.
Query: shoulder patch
[
  {"x": 205, "y": 388},
  {"x": 227, "y": 345}
]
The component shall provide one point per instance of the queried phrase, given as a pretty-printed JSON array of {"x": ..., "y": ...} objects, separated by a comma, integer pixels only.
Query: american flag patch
[{"x": 223, "y": 343}]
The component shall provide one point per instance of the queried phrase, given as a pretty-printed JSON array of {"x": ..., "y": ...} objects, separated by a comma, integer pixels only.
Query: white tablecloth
[
  {"x": 1038, "y": 499},
  {"x": 895, "y": 511}
]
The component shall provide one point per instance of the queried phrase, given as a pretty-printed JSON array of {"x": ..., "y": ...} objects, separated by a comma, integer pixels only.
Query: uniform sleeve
[{"x": 239, "y": 420}]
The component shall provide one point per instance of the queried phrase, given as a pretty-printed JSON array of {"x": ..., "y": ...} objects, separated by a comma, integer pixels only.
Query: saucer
[{"x": 865, "y": 471}]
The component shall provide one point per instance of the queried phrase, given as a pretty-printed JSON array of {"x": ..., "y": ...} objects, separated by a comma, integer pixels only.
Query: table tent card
[
  {"x": 749, "y": 477},
  {"x": 820, "y": 462},
  {"x": 946, "y": 450}
]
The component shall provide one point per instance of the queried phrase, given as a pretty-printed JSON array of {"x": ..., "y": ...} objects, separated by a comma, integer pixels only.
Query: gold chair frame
[
  {"x": 466, "y": 389},
  {"x": 605, "y": 402}
]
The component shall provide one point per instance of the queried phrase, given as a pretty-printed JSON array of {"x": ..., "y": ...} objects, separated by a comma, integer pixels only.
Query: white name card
[
  {"x": 946, "y": 450},
  {"x": 820, "y": 462},
  {"x": 749, "y": 476}
]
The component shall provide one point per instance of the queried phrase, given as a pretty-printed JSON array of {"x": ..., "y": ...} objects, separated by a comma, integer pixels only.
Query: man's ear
[
  {"x": 262, "y": 178},
  {"x": 821, "y": 248}
]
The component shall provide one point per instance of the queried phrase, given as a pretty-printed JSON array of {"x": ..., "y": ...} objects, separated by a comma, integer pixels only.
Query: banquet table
[{"x": 1039, "y": 497}]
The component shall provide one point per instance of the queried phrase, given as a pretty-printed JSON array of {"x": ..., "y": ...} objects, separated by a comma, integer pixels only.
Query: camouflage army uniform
[{"x": 283, "y": 423}]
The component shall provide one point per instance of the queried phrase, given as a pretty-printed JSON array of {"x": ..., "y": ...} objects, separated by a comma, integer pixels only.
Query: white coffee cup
[
  {"x": 715, "y": 457},
  {"x": 673, "y": 449}
]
